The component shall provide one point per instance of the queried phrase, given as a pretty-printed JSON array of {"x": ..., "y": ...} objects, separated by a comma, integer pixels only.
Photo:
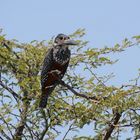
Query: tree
[{"x": 77, "y": 101}]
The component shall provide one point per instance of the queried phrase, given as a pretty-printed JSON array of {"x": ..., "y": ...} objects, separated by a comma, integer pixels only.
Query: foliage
[{"x": 83, "y": 98}]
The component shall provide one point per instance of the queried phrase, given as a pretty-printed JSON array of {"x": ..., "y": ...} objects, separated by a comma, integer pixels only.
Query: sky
[{"x": 106, "y": 22}]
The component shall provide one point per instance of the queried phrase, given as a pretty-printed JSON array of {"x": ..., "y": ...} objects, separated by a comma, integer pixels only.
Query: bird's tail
[{"x": 44, "y": 97}]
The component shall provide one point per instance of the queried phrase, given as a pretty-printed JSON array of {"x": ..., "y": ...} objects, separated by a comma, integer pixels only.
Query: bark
[{"x": 111, "y": 127}]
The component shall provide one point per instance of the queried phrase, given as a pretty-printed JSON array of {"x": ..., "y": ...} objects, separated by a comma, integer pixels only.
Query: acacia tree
[{"x": 77, "y": 101}]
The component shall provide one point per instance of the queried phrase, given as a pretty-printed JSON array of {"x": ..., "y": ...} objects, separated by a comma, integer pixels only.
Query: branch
[
  {"x": 7, "y": 125},
  {"x": 1, "y": 138},
  {"x": 94, "y": 98},
  {"x": 10, "y": 64},
  {"x": 5, "y": 135},
  {"x": 95, "y": 76},
  {"x": 46, "y": 125},
  {"x": 15, "y": 95},
  {"x": 30, "y": 131},
  {"x": 111, "y": 126},
  {"x": 0, "y": 72},
  {"x": 69, "y": 129},
  {"x": 130, "y": 125},
  {"x": 19, "y": 130},
  {"x": 6, "y": 44},
  {"x": 31, "y": 128}
]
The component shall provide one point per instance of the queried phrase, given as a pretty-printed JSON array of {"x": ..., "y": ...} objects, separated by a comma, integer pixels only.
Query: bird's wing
[
  {"x": 46, "y": 66},
  {"x": 64, "y": 69}
]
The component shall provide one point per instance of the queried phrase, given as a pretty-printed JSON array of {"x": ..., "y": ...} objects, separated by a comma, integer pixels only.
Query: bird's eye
[
  {"x": 68, "y": 37},
  {"x": 61, "y": 38}
]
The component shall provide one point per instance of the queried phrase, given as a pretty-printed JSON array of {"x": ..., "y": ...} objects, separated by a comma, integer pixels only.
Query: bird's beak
[{"x": 70, "y": 42}]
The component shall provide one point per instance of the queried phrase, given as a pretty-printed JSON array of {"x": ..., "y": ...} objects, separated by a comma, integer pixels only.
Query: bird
[{"x": 54, "y": 66}]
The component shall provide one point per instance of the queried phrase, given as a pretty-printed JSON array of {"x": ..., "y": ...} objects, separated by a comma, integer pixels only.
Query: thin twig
[
  {"x": 30, "y": 131},
  {"x": 95, "y": 76},
  {"x": 70, "y": 128}
]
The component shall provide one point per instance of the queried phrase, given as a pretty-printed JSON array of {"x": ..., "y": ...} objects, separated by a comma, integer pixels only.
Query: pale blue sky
[{"x": 107, "y": 22}]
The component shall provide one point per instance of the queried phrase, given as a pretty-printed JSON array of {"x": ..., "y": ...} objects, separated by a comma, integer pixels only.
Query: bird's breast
[{"x": 61, "y": 56}]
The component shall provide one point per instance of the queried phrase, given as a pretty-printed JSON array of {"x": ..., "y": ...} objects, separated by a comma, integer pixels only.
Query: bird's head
[{"x": 62, "y": 39}]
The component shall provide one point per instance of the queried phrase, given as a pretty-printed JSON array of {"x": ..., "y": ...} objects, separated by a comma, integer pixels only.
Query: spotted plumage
[{"x": 54, "y": 66}]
